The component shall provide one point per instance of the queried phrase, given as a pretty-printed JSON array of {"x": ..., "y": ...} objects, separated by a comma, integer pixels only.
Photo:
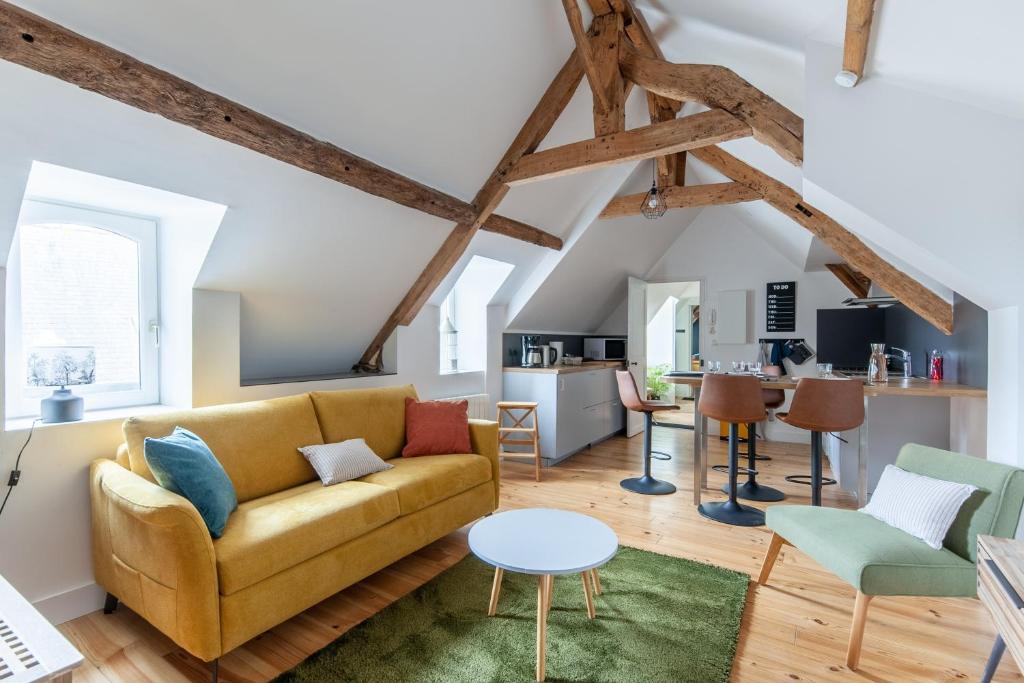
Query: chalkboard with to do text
[{"x": 781, "y": 311}]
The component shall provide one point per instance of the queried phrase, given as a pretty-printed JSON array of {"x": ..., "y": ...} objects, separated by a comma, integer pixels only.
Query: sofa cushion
[
  {"x": 270, "y": 534},
  {"x": 377, "y": 415},
  {"x": 874, "y": 557},
  {"x": 423, "y": 481},
  {"x": 257, "y": 442}
]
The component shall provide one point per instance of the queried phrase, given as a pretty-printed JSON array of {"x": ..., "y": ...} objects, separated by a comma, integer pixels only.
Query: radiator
[{"x": 479, "y": 405}]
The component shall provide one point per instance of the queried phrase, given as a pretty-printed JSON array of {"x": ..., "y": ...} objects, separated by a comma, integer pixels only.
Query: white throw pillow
[
  {"x": 343, "y": 461},
  {"x": 922, "y": 506}
]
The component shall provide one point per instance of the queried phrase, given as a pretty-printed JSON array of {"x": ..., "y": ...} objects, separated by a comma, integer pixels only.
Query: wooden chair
[{"x": 516, "y": 413}]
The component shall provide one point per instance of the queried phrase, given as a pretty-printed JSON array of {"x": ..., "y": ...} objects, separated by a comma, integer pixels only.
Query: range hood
[{"x": 870, "y": 302}]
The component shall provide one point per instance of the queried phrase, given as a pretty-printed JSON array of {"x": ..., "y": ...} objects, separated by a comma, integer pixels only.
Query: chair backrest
[
  {"x": 994, "y": 509},
  {"x": 732, "y": 398},
  {"x": 628, "y": 391},
  {"x": 773, "y": 398},
  {"x": 827, "y": 405}
]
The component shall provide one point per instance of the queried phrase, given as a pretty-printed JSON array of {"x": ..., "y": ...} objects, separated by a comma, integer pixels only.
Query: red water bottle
[{"x": 935, "y": 369}]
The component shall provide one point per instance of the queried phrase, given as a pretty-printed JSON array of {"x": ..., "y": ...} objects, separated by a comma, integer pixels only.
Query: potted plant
[{"x": 657, "y": 388}]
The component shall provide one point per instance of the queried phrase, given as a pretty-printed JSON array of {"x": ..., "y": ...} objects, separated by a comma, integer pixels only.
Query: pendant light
[{"x": 654, "y": 205}]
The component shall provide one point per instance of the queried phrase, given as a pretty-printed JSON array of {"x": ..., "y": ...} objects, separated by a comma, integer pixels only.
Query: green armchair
[{"x": 878, "y": 559}]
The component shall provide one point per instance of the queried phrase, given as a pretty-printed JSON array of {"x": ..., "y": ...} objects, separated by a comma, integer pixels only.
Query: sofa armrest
[
  {"x": 153, "y": 551},
  {"x": 483, "y": 437}
]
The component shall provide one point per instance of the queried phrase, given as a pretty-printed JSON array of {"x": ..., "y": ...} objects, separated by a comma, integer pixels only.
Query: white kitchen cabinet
[{"x": 576, "y": 408}]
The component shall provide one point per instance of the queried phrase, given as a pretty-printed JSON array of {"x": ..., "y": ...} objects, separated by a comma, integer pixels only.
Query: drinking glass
[
  {"x": 824, "y": 369},
  {"x": 737, "y": 366},
  {"x": 757, "y": 367}
]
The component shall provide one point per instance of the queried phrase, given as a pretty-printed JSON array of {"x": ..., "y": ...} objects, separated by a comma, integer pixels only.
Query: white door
[{"x": 636, "y": 347}]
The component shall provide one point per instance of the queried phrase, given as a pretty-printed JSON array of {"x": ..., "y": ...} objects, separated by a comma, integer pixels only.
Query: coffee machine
[{"x": 531, "y": 351}]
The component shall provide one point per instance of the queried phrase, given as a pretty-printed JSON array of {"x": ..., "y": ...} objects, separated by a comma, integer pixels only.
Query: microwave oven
[{"x": 604, "y": 348}]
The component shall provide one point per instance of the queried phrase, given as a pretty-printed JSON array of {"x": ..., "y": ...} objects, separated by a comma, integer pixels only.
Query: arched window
[{"x": 82, "y": 308}]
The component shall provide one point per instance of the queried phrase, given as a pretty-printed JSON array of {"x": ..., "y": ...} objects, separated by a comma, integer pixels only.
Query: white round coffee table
[{"x": 545, "y": 543}]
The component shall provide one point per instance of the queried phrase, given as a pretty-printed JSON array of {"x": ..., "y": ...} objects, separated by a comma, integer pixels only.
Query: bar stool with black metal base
[
  {"x": 630, "y": 396},
  {"x": 823, "y": 405},
  {"x": 735, "y": 400},
  {"x": 773, "y": 399},
  {"x": 750, "y": 489}
]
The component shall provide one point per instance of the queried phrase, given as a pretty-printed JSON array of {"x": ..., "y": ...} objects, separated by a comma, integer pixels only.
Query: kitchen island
[
  {"x": 896, "y": 412},
  {"x": 578, "y": 405}
]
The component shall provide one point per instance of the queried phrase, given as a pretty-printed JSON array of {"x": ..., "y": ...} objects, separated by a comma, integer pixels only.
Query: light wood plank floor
[{"x": 793, "y": 630}]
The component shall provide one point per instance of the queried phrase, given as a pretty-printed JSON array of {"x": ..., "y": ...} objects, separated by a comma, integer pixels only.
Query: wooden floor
[{"x": 793, "y": 630}]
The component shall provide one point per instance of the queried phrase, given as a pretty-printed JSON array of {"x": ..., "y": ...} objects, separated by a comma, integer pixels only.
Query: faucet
[{"x": 903, "y": 357}]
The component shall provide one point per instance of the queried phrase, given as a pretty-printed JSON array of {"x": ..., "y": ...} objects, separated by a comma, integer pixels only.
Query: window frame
[
  {"x": 448, "y": 310},
  {"x": 21, "y": 401}
]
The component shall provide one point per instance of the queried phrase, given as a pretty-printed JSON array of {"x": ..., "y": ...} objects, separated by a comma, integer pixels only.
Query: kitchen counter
[
  {"x": 896, "y": 386},
  {"x": 896, "y": 412},
  {"x": 569, "y": 369}
]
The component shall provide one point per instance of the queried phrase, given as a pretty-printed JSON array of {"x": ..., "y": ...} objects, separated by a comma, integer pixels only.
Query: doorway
[{"x": 673, "y": 344}]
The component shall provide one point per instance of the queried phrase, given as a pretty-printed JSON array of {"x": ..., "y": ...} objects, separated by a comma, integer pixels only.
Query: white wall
[{"x": 726, "y": 254}]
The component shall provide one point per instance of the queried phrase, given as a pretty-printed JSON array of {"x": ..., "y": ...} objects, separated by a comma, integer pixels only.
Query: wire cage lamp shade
[{"x": 654, "y": 205}]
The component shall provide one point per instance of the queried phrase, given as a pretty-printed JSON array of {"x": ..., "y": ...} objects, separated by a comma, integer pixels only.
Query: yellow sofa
[{"x": 292, "y": 542}]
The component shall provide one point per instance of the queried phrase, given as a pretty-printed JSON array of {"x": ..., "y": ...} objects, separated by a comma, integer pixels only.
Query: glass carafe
[{"x": 877, "y": 371}]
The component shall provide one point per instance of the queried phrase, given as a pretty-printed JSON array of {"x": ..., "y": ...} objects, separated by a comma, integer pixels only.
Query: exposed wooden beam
[
  {"x": 686, "y": 197},
  {"x": 699, "y": 130},
  {"x": 721, "y": 88},
  {"x": 494, "y": 189},
  {"x": 51, "y": 49},
  {"x": 856, "y": 282},
  {"x": 848, "y": 246},
  {"x": 859, "y": 14},
  {"x": 605, "y": 40},
  {"x": 585, "y": 52}
]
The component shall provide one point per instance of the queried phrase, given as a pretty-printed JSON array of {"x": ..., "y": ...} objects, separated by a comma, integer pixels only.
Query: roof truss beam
[
  {"x": 720, "y": 88},
  {"x": 494, "y": 189},
  {"x": 678, "y": 135},
  {"x": 859, "y": 15},
  {"x": 848, "y": 246},
  {"x": 858, "y": 283},
  {"x": 51, "y": 49},
  {"x": 683, "y": 197}
]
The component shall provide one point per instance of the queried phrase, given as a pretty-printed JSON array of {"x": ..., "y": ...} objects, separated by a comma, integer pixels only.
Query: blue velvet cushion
[{"x": 184, "y": 464}]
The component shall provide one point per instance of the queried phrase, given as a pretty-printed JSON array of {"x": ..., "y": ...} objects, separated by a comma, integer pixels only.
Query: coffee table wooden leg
[
  {"x": 587, "y": 595},
  {"x": 550, "y": 591},
  {"x": 597, "y": 581},
  {"x": 542, "y": 624},
  {"x": 492, "y": 608}
]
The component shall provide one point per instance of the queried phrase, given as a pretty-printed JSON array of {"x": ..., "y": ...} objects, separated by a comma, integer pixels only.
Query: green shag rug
[{"x": 660, "y": 619}]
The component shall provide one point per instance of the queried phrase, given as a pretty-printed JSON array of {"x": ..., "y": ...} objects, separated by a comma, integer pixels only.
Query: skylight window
[{"x": 463, "y": 319}]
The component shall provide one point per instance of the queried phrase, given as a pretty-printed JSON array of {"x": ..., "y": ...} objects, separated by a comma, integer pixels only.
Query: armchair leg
[
  {"x": 860, "y": 613},
  {"x": 110, "y": 604},
  {"x": 772, "y": 554},
  {"x": 215, "y": 671}
]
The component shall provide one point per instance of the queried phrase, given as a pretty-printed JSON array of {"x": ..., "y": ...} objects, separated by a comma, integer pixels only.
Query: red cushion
[{"x": 436, "y": 428}]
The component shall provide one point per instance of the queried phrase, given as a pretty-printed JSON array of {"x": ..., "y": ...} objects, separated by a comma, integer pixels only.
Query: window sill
[
  {"x": 445, "y": 373},
  {"x": 24, "y": 423}
]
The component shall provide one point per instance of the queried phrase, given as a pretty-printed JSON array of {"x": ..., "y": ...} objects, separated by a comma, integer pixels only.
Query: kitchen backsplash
[{"x": 513, "y": 345}]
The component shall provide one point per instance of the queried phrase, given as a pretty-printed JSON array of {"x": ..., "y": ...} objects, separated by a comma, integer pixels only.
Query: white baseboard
[{"x": 71, "y": 603}]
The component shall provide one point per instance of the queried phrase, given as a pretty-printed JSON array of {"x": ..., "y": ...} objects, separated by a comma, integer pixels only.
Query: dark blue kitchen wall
[
  {"x": 513, "y": 345},
  {"x": 965, "y": 351}
]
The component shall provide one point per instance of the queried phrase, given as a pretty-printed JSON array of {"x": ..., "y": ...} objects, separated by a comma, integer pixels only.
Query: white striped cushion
[
  {"x": 343, "y": 461},
  {"x": 921, "y": 506}
]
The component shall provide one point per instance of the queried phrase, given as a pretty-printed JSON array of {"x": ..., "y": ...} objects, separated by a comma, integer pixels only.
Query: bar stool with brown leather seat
[
  {"x": 630, "y": 396},
  {"x": 735, "y": 400},
  {"x": 773, "y": 399},
  {"x": 823, "y": 405}
]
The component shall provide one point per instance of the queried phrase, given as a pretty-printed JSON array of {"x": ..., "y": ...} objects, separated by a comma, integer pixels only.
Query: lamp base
[{"x": 62, "y": 406}]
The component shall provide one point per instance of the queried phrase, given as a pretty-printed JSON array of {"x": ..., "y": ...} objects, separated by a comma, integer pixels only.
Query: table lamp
[{"x": 62, "y": 367}]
